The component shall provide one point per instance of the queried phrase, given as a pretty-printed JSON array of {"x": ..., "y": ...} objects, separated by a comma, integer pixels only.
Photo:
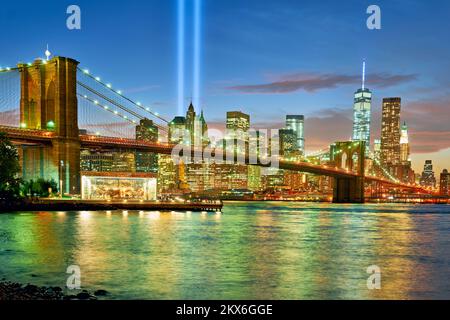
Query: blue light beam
[
  {"x": 197, "y": 52},
  {"x": 181, "y": 47}
]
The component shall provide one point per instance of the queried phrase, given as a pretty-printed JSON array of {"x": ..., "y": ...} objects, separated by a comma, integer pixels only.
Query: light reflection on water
[{"x": 251, "y": 251}]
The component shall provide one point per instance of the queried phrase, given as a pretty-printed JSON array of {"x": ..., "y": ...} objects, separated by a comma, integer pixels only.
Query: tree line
[{"x": 12, "y": 187}]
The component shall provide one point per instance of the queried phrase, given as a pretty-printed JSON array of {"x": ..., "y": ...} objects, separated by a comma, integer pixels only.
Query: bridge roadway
[{"x": 32, "y": 136}]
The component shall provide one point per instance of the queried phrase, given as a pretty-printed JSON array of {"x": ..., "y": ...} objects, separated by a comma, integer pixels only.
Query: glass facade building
[
  {"x": 297, "y": 124},
  {"x": 362, "y": 116}
]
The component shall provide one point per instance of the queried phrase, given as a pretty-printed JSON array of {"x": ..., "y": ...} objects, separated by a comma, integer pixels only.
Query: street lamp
[{"x": 61, "y": 167}]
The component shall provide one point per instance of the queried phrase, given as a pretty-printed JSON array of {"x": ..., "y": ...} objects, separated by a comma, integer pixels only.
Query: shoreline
[
  {"x": 14, "y": 291},
  {"x": 76, "y": 205},
  {"x": 89, "y": 205}
]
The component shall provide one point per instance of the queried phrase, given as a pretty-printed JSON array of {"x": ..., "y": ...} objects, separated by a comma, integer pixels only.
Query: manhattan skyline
[{"x": 272, "y": 60}]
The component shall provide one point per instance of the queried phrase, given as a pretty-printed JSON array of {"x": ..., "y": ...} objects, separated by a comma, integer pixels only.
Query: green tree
[
  {"x": 9, "y": 169},
  {"x": 39, "y": 187}
]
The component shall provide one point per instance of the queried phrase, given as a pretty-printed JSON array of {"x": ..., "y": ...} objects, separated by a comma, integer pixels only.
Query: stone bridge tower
[
  {"x": 48, "y": 101},
  {"x": 349, "y": 155}
]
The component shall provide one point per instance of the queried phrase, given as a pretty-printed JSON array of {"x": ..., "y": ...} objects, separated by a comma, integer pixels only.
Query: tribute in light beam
[
  {"x": 197, "y": 52},
  {"x": 181, "y": 34},
  {"x": 364, "y": 75}
]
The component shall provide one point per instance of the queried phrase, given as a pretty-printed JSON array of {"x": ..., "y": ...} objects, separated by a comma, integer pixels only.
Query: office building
[{"x": 297, "y": 124}]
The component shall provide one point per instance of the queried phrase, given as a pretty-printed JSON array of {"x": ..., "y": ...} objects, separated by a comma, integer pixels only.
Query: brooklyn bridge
[{"x": 56, "y": 103}]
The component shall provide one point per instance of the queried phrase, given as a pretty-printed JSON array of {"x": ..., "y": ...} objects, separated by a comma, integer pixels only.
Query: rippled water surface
[{"x": 251, "y": 251}]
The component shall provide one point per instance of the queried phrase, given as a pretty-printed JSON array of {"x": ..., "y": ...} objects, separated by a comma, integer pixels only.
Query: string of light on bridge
[
  {"x": 119, "y": 105},
  {"x": 119, "y": 93},
  {"x": 384, "y": 169},
  {"x": 111, "y": 110},
  {"x": 387, "y": 173},
  {"x": 28, "y": 64}
]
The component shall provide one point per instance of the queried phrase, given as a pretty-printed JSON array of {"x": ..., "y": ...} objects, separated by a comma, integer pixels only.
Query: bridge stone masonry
[
  {"x": 350, "y": 155},
  {"x": 48, "y": 101},
  {"x": 50, "y": 141}
]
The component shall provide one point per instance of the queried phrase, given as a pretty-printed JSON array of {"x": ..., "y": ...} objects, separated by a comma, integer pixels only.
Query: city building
[
  {"x": 96, "y": 161},
  {"x": 169, "y": 179},
  {"x": 404, "y": 171},
  {"x": 190, "y": 130},
  {"x": 428, "y": 179},
  {"x": 390, "y": 133},
  {"x": 404, "y": 145},
  {"x": 235, "y": 176},
  {"x": 147, "y": 161},
  {"x": 177, "y": 130},
  {"x": 254, "y": 182},
  {"x": 377, "y": 150},
  {"x": 296, "y": 181},
  {"x": 444, "y": 185},
  {"x": 196, "y": 127},
  {"x": 288, "y": 143},
  {"x": 238, "y": 124},
  {"x": 362, "y": 105},
  {"x": 297, "y": 124},
  {"x": 231, "y": 176}
]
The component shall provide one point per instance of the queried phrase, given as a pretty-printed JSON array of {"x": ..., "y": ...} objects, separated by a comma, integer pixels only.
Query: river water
[{"x": 256, "y": 250}]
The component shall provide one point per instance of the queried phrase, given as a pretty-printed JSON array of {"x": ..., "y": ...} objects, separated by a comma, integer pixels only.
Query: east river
[{"x": 252, "y": 250}]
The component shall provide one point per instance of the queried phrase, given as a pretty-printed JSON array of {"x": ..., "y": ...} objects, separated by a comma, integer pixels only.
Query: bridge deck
[{"x": 43, "y": 136}]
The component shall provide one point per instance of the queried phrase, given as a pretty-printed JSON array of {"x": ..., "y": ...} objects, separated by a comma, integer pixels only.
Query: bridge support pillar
[
  {"x": 48, "y": 101},
  {"x": 348, "y": 190},
  {"x": 351, "y": 156}
]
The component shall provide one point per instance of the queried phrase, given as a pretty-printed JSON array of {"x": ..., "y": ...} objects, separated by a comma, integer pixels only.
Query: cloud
[
  {"x": 314, "y": 82},
  {"x": 141, "y": 89},
  {"x": 429, "y": 125}
]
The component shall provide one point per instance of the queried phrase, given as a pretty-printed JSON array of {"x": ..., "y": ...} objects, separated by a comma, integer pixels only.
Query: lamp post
[{"x": 61, "y": 172}]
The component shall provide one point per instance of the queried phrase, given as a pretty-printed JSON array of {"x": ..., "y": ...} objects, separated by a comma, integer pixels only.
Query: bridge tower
[
  {"x": 349, "y": 155},
  {"x": 48, "y": 101}
]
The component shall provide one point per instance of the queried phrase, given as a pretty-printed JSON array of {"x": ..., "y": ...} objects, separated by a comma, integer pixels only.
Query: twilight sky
[{"x": 266, "y": 58}]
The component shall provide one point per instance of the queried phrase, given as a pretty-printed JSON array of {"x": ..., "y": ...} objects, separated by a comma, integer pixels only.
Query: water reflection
[{"x": 251, "y": 251}]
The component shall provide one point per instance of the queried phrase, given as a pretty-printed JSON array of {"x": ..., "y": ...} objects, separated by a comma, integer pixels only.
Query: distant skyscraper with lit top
[
  {"x": 404, "y": 145},
  {"x": 362, "y": 113},
  {"x": 390, "y": 132},
  {"x": 296, "y": 123}
]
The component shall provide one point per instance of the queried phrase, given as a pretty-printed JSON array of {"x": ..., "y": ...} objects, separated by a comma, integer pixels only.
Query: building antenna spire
[
  {"x": 364, "y": 74},
  {"x": 47, "y": 53}
]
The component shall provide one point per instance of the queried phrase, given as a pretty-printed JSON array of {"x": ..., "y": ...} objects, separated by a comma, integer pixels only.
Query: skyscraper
[
  {"x": 428, "y": 179},
  {"x": 297, "y": 124},
  {"x": 444, "y": 185},
  {"x": 146, "y": 161},
  {"x": 390, "y": 132},
  {"x": 362, "y": 113},
  {"x": 238, "y": 124},
  {"x": 288, "y": 143},
  {"x": 177, "y": 130},
  {"x": 196, "y": 127},
  {"x": 236, "y": 176},
  {"x": 404, "y": 145}
]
